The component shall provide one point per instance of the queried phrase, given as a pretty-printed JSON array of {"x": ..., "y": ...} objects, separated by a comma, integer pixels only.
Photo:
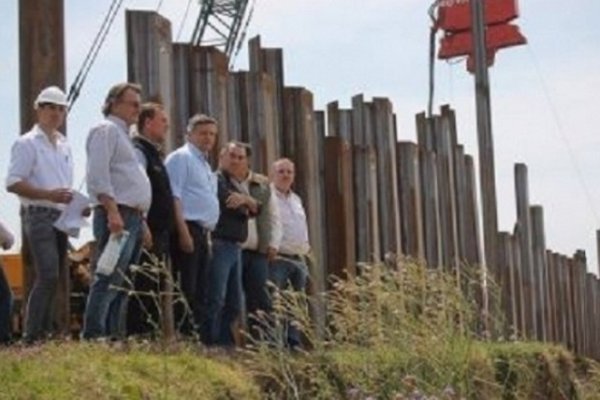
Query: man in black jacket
[
  {"x": 143, "y": 313},
  {"x": 224, "y": 288}
]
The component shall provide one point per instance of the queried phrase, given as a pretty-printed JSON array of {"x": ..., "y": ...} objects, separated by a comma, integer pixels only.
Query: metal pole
[{"x": 484, "y": 132}]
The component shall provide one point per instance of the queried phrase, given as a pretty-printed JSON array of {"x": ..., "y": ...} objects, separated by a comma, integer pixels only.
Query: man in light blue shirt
[{"x": 194, "y": 187}]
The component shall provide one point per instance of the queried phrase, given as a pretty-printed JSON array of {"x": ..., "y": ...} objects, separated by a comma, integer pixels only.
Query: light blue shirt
[{"x": 194, "y": 184}]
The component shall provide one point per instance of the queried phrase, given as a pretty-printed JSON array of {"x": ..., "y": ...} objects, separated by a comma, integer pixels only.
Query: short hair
[
  {"x": 147, "y": 112},
  {"x": 281, "y": 160},
  {"x": 200, "y": 119},
  {"x": 116, "y": 93}
]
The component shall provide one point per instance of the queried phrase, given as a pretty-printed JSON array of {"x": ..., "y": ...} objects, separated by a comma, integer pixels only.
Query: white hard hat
[{"x": 52, "y": 95}]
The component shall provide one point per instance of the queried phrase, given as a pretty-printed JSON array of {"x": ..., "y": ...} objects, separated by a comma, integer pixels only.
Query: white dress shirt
[
  {"x": 113, "y": 168},
  {"x": 294, "y": 228},
  {"x": 43, "y": 165}
]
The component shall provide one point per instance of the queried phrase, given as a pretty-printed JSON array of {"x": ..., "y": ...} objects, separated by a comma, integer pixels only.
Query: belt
[
  {"x": 122, "y": 207},
  {"x": 295, "y": 257},
  {"x": 41, "y": 208}
]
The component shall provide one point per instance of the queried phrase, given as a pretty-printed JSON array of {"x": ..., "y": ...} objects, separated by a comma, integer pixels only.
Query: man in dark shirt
[
  {"x": 224, "y": 293},
  {"x": 143, "y": 313}
]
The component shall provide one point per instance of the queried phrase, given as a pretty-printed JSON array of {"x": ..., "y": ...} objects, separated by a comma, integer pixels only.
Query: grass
[
  {"x": 97, "y": 371},
  {"x": 392, "y": 333}
]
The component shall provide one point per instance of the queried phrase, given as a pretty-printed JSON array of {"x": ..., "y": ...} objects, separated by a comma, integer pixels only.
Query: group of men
[{"x": 227, "y": 232}]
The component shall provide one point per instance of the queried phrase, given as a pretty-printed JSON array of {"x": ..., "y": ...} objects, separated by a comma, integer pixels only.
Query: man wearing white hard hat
[{"x": 40, "y": 172}]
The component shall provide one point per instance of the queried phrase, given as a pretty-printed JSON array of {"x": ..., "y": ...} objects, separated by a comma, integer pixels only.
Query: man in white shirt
[
  {"x": 291, "y": 264},
  {"x": 120, "y": 188},
  {"x": 40, "y": 172}
]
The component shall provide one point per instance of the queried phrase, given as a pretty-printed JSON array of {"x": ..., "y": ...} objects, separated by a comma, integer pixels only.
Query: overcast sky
[{"x": 544, "y": 95}]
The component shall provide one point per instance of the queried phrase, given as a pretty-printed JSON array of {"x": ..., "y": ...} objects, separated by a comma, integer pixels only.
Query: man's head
[
  {"x": 202, "y": 132},
  {"x": 153, "y": 122},
  {"x": 51, "y": 106},
  {"x": 123, "y": 101},
  {"x": 283, "y": 174},
  {"x": 233, "y": 158}
]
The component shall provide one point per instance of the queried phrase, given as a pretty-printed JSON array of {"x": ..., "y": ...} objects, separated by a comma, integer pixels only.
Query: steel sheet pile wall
[{"x": 368, "y": 196}]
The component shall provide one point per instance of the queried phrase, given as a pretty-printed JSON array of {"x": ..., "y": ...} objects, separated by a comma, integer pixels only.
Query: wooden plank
[
  {"x": 409, "y": 188},
  {"x": 568, "y": 267},
  {"x": 538, "y": 247},
  {"x": 561, "y": 299},
  {"x": 430, "y": 206},
  {"x": 460, "y": 188},
  {"x": 339, "y": 122},
  {"x": 524, "y": 226},
  {"x": 579, "y": 272},
  {"x": 339, "y": 207}
]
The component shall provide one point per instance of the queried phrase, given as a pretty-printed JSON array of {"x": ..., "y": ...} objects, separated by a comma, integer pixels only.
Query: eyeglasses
[{"x": 53, "y": 107}]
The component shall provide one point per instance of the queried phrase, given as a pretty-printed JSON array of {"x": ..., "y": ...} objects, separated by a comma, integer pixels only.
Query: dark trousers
[
  {"x": 143, "y": 309},
  {"x": 48, "y": 251},
  {"x": 255, "y": 273},
  {"x": 191, "y": 269},
  {"x": 5, "y": 308}
]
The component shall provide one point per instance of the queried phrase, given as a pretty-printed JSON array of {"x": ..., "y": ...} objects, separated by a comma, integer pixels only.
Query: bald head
[{"x": 283, "y": 174}]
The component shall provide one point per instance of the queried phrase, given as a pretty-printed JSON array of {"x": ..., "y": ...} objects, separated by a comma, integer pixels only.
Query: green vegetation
[{"x": 406, "y": 334}]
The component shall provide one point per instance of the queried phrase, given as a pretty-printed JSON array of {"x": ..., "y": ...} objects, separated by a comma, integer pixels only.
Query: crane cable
[
  {"x": 75, "y": 88},
  {"x": 559, "y": 127}
]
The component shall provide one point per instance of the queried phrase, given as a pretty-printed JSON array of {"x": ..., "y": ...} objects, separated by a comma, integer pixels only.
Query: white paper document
[
  {"x": 111, "y": 253},
  {"x": 72, "y": 220}
]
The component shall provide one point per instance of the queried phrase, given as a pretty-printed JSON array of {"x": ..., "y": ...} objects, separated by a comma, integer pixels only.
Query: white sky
[{"x": 339, "y": 48}]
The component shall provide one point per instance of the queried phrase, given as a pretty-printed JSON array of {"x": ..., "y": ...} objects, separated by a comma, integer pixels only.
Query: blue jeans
[
  {"x": 106, "y": 304},
  {"x": 255, "y": 272},
  {"x": 5, "y": 308},
  {"x": 224, "y": 293},
  {"x": 48, "y": 252},
  {"x": 285, "y": 272}
]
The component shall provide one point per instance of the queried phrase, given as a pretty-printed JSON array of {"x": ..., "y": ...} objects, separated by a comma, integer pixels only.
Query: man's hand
[
  {"x": 271, "y": 254},
  {"x": 61, "y": 196},
  {"x": 186, "y": 243},
  {"x": 236, "y": 200},
  {"x": 115, "y": 222},
  {"x": 146, "y": 236}
]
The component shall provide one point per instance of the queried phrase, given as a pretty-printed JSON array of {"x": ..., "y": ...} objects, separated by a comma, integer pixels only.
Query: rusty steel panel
[
  {"x": 304, "y": 143},
  {"x": 431, "y": 208},
  {"x": 365, "y": 183},
  {"x": 517, "y": 287},
  {"x": 150, "y": 60},
  {"x": 339, "y": 122},
  {"x": 409, "y": 190},
  {"x": 209, "y": 76},
  {"x": 445, "y": 145},
  {"x": 524, "y": 227},
  {"x": 339, "y": 206},
  {"x": 41, "y": 52},
  {"x": 387, "y": 176},
  {"x": 254, "y": 100},
  {"x": 579, "y": 271},
  {"x": 552, "y": 305},
  {"x": 473, "y": 236},
  {"x": 568, "y": 267},
  {"x": 181, "y": 93},
  {"x": 270, "y": 61},
  {"x": 505, "y": 278},
  {"x": 538, "y": 246}
]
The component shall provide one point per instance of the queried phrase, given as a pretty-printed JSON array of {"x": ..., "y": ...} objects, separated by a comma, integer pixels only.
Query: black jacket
[
  {"x": 161, "y": 216},
  {"x": 233, "y": 223}
]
